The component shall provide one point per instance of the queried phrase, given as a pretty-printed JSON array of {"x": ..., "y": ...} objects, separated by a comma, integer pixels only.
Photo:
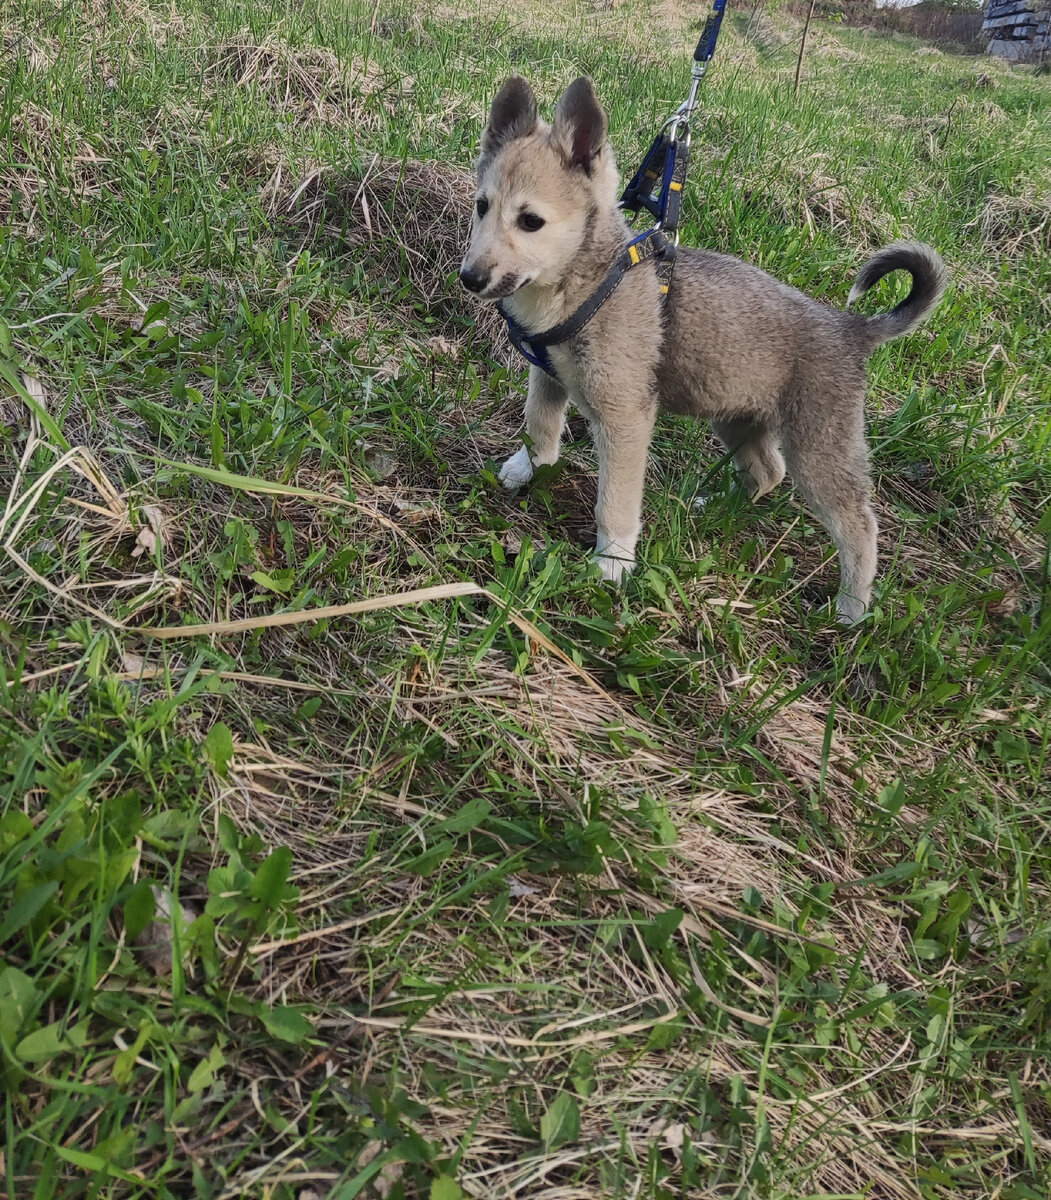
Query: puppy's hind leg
[
  {"x": 545, "y": 418},
  {"x": 760, "y": 467},
  {"x": 830, "y": 467}
]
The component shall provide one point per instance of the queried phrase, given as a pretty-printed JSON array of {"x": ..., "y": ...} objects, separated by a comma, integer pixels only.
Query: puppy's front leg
[
  {"x": 545, "y": 418},
  {"x": 622, "y": 441}
]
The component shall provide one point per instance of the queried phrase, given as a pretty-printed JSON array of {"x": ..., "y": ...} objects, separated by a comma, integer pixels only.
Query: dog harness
[
  {"x": 666, "y": 161},
  {"x": 651, "y": 244}
]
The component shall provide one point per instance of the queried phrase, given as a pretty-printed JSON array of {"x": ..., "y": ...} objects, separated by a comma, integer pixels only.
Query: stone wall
[{"x": 1018, "y": 29}]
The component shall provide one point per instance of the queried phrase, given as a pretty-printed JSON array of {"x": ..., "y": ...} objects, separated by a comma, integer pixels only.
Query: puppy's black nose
[{"x": 473, "y": 280}]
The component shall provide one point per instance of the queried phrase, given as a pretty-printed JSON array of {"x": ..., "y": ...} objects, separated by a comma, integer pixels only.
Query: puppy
[{"x": 780, "y": 377}]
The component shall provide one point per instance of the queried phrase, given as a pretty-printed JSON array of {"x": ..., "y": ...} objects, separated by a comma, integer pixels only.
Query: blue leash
[
  {"x": 665, "y": 163},
  {"x": 667, "y": 159}
]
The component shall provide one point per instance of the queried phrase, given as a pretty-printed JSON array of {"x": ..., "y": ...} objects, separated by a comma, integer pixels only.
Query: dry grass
[
  {"x": 17, "y": 47},
  {"x": 308, "y": 83},
  {"x": 808, "y": 198},
  {"x": 419, "y": 210},
  {"x": 411, "y": 220},
  {"x": 46, "y": 154},
  {"x": 833, "y": 48},
  {"x": 1016, "y": 226},
  {"x": 598, "y": 993},
  {"x": 96, "y": 20},
  {"x": 601, "y": 994}
]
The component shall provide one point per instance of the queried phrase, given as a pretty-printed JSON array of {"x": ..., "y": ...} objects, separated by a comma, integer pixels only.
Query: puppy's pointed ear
[
  {"x": 580, "y": 124},
  {"x": 513, "y": 115}
]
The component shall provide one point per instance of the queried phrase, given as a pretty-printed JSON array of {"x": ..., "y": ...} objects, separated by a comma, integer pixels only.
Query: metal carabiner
[{"x": 676, "y": 122}]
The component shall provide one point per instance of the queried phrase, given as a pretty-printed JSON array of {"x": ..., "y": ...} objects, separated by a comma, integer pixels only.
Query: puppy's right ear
[
  {"x": 580, "y": 124},
  {"x": 513, "y": 115}
]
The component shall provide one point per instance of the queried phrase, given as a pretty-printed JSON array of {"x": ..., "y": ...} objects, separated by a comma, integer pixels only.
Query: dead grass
[
  {"x": 162, "y": 23},
  {"x": 96, "y": 517},
  {"x": 417, "y": 213},
  {"x": 412, "y": 220},
  {"x": 503, "y": 1015},
  {"x": 833, "y": 48},
  {"x": 1016, "y": 226},
  {"x": 807, "y": 197},
  {"x": 17, "y": 47},
  {"x": 559, "y": 740},
  {"x": 599, "y": 993},
  {"x": 45, "y": 153},
  {"x": 308, "y": 83},
  {"x": 770, "y": 39}
]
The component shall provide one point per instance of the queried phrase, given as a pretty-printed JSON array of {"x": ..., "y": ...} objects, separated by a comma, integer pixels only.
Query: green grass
[{"x": 722, "y": 901}]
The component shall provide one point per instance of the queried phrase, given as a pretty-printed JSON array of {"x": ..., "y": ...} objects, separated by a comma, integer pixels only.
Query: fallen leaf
[
  {"x": 382, "y": 463},
  {"x": 154, "y": 943},
  {"x": 518, "y": 889},
  {"x": 151, "y": 534},
  {"x": 415, "y": 513},
  {"x": 388, "y": 1175}
]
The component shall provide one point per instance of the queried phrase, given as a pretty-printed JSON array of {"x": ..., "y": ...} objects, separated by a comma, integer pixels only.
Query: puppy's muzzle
[{"x": 473, "y": 279}]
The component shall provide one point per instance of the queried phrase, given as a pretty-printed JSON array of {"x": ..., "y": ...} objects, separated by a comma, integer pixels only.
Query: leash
[
  {"x": 657, "y": 187},
  {"x": 667, "y": 159}
]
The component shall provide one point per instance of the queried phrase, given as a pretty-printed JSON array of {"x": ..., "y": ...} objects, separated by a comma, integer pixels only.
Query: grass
[{"x": 496, "y": 883}]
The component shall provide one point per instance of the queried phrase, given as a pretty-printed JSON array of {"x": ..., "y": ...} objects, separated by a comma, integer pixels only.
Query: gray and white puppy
[{"x": 780, "y": 377}]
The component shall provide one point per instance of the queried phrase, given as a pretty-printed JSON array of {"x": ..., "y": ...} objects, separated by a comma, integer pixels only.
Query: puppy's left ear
[{"x": 579, "y": 127}]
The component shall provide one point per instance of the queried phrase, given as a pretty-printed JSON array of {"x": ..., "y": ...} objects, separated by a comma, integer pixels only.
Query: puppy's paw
[
  {"x": 614, "y": 567},
  {"x": 849, "y": 609},
  {"x": 517, "y": 470}
]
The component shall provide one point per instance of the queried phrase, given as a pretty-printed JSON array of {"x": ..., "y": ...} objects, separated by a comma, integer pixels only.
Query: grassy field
[{"x": 518, "y": 886}]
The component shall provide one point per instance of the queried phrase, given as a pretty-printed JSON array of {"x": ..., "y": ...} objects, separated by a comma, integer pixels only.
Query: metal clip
[{"x": 678, "y": 123}]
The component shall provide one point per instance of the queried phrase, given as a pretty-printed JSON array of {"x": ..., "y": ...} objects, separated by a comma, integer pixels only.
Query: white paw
[
  {"x": 614, "y": 567},
  {"x": 849, "y": 609},
  {"x": 517, "y": 470}
]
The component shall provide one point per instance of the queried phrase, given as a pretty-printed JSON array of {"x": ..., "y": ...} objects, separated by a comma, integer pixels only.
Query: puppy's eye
[
  {"x": 530, "y": 222},
  {"x": 482, "y": 205}
]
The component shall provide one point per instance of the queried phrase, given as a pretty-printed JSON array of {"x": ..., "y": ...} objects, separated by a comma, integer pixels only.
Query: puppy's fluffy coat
[{"x": 780, "y": 377}]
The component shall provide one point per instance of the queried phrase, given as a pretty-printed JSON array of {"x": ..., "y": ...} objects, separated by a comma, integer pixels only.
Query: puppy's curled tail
[{"x": 930, "y": 278}]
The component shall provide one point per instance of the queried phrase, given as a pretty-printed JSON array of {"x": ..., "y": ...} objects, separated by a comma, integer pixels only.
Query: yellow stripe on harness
[
  {"x": 633, "y": 254},
  {"x": 675, "y": 187}
]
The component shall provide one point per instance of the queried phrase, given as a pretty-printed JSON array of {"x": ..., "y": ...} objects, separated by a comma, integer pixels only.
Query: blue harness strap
[
  {"x": 533, "y": 347},
  {"x": 657, "y": 185},
  {"x": 639, "y": 192}
]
